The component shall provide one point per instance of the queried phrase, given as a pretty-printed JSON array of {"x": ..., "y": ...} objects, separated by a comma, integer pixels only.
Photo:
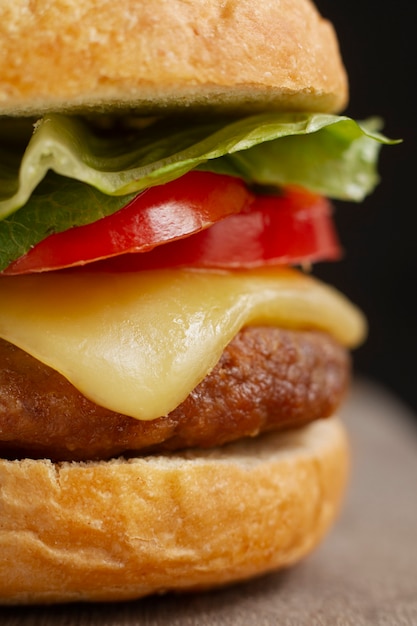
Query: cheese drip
[{"x": 138, "y": 343}]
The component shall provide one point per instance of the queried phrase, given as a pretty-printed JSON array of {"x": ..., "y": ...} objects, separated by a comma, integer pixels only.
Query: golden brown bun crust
[
  {"x": 124, "y": 529},
  {"x": 172, "y": 53}
]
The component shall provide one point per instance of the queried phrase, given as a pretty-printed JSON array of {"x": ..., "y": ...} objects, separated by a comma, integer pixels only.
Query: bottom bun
[{"x": 123, "y": 529}]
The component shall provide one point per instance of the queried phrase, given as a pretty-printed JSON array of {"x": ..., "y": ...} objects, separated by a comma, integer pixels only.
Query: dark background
[{"x": 379, "y": 270}]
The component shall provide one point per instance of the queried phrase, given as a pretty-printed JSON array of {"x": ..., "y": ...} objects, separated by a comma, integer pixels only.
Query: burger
[{"x": 171, "y": 369}]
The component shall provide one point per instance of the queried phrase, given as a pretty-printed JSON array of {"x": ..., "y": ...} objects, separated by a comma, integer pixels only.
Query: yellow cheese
[{"x": 138, "y": 343}]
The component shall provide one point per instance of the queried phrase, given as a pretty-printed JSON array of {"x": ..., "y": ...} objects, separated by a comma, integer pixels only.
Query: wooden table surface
[{"x": 365, "y": 572}]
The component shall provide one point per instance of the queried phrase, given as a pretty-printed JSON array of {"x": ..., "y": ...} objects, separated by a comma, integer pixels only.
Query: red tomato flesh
[
  {"x": 158, "y": 215},
  {"x": 200, "y": 220},
  {"x": 296, "y": 228}
]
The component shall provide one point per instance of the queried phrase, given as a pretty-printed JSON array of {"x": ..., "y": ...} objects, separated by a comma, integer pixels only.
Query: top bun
[{"x": 226, "y": 55}]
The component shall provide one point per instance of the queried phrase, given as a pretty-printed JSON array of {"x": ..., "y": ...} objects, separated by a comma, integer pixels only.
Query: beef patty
[{"x": 267, "y": 379}]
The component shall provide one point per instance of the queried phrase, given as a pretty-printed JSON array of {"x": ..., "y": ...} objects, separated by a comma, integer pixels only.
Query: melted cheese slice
[{"x": 138, "y": 343}]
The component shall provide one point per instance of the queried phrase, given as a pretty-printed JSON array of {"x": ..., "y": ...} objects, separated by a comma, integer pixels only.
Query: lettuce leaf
[{"x": 66, "y": 173}]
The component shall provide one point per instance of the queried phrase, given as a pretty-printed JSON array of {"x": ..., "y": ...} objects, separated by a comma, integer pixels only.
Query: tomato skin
[
  {"x": 296, "y": 228},
  {"x": 158, "y": 215}
]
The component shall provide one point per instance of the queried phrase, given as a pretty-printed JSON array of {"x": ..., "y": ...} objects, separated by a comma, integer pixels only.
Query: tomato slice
[
  {"x": 295, "y": 228},
  {"x": 200, "y": 220},
  {"x": 158, "y": 215}
]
